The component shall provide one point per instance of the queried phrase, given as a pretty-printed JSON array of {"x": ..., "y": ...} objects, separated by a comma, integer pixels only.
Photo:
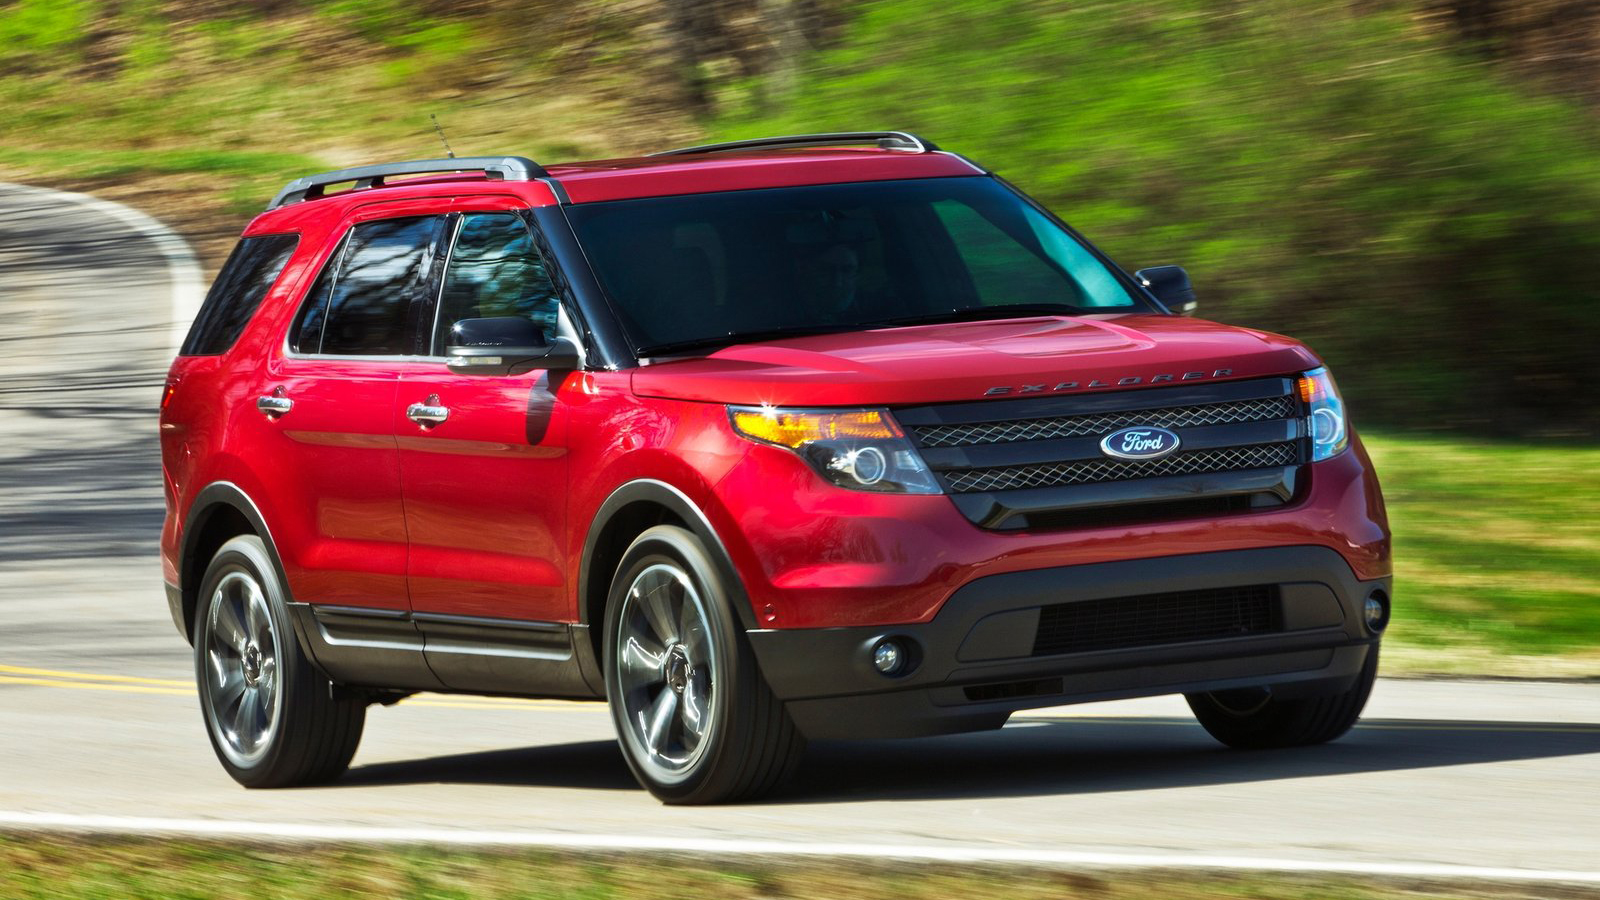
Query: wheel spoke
[
  {"x": 256, "y": 615},
  {"x": 657, "y": 606},
  {"x": 228, "y": 626},
  {"x": 229, "y": 685},
  {"x": 693, "y": 631},
  {"x": 695, "y": 694},
  {"x": 662, "y": 712},
  {"x": 221, "y": 658},
  {"x": 641, "y": 662},
  {"x": 244, "y": 720}
]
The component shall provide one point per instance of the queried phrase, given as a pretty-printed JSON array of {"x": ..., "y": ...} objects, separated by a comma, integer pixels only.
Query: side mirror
[
  {"x": 505, "y": 345},
  {"x": 1170, "y": 285}
]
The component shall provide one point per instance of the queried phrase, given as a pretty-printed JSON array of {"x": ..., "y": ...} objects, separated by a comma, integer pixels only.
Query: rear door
[{"x": 325, "y": 402}]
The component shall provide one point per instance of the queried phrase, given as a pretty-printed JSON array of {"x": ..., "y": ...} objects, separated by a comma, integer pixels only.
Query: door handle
[
  {"x": 428, "y": 413},
  {"x": 274, "y": 405}
]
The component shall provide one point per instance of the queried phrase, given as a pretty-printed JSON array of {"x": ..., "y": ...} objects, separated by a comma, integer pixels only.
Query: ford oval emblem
[{"x": 1143, "y": 442}]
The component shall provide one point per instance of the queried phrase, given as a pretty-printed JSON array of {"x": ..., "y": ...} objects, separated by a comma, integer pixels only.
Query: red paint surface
[
  {"x": 943, "y": 363},
  {"x": 365, "y": 508}
]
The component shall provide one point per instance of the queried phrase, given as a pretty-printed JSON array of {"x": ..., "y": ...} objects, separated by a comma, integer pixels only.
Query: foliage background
[{"x": 1410, "y": 186}]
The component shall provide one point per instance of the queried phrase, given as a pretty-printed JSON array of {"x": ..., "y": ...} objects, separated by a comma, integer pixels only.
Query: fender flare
[
  {"x": 206, "y": 503},
  {"x": 665, "y": 495}
]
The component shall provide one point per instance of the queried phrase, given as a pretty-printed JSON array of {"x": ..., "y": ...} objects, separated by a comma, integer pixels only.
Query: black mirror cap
[
  {"x": 1170, "y": 285},
  {"x": 505, "y": 345},
  {"x": 495, "y": 331}
]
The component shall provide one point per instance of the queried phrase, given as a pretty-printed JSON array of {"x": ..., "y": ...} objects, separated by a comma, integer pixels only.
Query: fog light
[
  {"x": 887, "y": 657},
  {"x": 1377, "y": 611}
]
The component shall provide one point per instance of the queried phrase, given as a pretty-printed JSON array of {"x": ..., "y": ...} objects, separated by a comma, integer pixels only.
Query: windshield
[{"x": 703, "y": 269}]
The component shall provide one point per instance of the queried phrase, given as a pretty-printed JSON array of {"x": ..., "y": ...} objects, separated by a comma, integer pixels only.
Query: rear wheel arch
[{"x": 220, "y": 511}]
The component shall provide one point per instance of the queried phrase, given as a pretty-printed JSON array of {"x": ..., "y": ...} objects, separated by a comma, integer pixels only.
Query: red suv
[{"x": 820, "y": 436}]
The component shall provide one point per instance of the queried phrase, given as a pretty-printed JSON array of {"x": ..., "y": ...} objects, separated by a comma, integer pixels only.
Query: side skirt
[{"x": 397, "y": 650}]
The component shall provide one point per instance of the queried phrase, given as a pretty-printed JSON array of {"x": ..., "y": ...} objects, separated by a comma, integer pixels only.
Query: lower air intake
[{"x": 1152, "y": 620}]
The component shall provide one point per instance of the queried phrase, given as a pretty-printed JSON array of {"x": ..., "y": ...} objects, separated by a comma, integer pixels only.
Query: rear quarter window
[{"x": 251, "y": 269}]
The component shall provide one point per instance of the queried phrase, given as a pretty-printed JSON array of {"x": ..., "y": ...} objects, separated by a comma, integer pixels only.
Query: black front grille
[
  {"x": 1097, "y": 424},
  {"x": 1230, "y": 459},
  {"x": 1152, "y": 620},
  {"x": 1036, "y": 462}
]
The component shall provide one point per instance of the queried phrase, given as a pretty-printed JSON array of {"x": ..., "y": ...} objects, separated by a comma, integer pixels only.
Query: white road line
[
  {"x": 950, "y": 853},
  {"x": 183, "y": 270}
]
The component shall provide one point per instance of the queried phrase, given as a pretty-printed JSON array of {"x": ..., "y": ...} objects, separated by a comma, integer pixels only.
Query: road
[{"x": 98, "y": 716}]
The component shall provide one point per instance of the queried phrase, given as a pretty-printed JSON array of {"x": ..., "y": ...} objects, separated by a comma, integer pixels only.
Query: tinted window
[
  {"x": 364, "y": 301},
  {"x": 495, "y": 270},
  {"x": 251, "y": 269},
  {"x": 699, "y": 267}
]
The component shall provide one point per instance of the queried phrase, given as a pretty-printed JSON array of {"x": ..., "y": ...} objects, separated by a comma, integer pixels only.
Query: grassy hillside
[
  {"x": 1363, "y": 180},
  {"x": 200, "y": 112},
  {"x": 1353, "y": 173}
]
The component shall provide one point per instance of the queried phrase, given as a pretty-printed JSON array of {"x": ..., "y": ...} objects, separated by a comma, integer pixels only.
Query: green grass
[
  {"x": 1497, "y": 555},
  {"x": 34, "y": 868}
]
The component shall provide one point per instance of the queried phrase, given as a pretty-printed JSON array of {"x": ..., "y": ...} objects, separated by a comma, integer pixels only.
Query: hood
[{"x": 974, "y": 360}]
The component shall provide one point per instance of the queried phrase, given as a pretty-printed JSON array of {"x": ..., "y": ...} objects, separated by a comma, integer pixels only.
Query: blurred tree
[{"x": 1345, "y": 177}]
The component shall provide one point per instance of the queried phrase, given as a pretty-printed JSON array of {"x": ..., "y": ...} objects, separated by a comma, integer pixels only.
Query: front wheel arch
[{"x": 625, "y": 514}]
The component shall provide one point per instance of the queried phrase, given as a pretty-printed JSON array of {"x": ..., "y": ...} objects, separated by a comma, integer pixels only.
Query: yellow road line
[
  {"x": 25, "y": 675},
  {"x": 90, "y": 686},
  {"x": 90, "y": 676}
]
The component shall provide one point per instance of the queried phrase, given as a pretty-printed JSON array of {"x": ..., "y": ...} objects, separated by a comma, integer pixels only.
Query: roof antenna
[{"x": 448, "y": 152}]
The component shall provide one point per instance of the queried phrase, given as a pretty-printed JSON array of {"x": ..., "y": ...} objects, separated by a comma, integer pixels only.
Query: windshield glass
[{"x": 702, "y": 269}]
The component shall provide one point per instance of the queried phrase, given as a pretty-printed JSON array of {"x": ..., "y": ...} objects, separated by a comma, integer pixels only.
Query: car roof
[
  {"x": 768, "y": 164},
  {"x": 657, "y": 176}
]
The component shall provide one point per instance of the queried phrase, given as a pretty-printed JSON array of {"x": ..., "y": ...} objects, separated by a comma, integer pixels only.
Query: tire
[
  {"x": 271, "y": 716},
  {"x": 696, "y": 722},
  {"x": 1253, "y": 719}
]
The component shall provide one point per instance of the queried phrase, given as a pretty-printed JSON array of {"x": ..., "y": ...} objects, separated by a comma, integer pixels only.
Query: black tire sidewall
[{"x": 1281, "y": 723}]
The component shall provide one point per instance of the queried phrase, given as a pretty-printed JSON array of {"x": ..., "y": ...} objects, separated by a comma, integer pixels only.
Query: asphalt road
[{"x": 98, "y": 716}]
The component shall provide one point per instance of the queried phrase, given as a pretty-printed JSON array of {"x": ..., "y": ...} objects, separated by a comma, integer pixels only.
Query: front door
[{"x": 485, "y": 485}]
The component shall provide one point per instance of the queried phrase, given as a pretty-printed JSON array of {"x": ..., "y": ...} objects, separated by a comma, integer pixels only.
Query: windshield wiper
[
  {"x": 742, "y": 337},
  {"x": 979, "y": 313}
]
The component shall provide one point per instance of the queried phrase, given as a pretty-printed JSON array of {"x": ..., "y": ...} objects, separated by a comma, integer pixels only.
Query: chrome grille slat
[
  {"x": 1102, "y": 423},
  {"x": 1228, "y": 459}
]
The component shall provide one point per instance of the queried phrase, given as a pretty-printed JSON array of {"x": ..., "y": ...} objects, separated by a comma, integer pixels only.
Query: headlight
[
  {"x": 1329, "y": 435},
  {"x": 861, "y": 449}
]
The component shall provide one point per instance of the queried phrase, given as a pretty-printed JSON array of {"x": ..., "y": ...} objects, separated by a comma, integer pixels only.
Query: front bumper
[{"x": 975, "y": 662}]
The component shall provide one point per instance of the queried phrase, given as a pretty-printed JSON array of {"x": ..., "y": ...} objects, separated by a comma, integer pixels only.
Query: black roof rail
[
  {"x": 501, "y": 168},
  {"x": 887, "y": 140}
]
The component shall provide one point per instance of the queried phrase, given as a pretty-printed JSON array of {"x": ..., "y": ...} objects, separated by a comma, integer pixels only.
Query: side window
[
  {"x": 251, "y": 269},
  {"x": 362, "y": 303},
  {"x": 495, "y": 270}
]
